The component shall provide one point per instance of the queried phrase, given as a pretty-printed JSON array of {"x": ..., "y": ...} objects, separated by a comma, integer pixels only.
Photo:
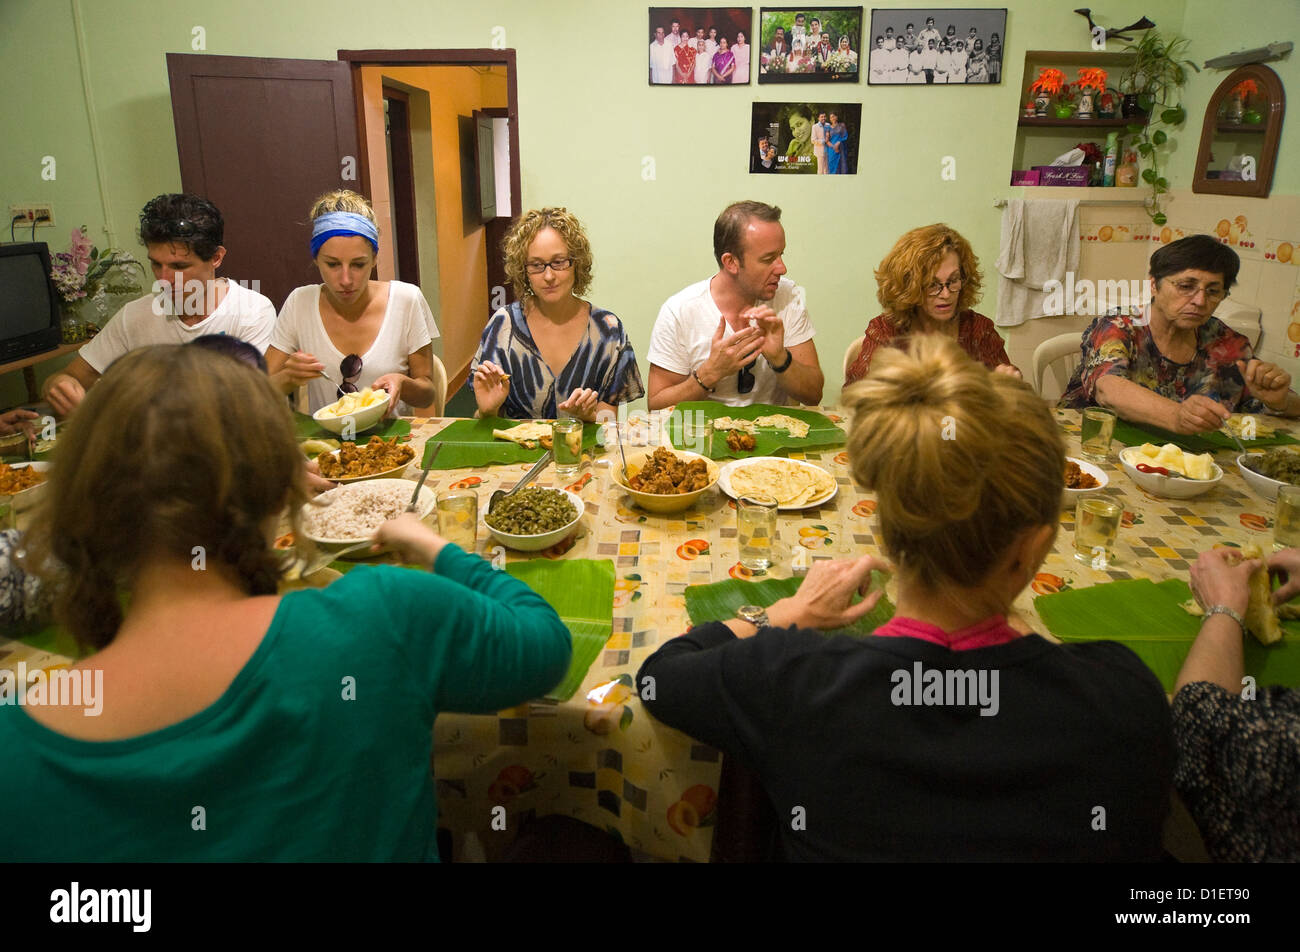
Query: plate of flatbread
[{"x": 795, "y": 484}]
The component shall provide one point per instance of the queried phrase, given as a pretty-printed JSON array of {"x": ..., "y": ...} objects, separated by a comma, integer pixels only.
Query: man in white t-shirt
[
  {"x": 182, "y": 234},
  {"x": 742, "y": 336}
]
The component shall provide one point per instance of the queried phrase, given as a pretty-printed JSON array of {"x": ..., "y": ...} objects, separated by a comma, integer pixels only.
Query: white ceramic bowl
[
  {"x": 535, "y": 543},
  {"x": 427, "y": 500},
  {"x": 1263, "y": 487},
  {"x": 1167, "y": 486},
  {"x": 1092, "y": 469},
  {"x": 363, "y": 419},
  {"x": 656, "y": 502}
]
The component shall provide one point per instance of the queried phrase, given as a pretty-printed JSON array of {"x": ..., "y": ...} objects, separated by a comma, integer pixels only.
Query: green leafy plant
[{"x": 1156, "y": 75}]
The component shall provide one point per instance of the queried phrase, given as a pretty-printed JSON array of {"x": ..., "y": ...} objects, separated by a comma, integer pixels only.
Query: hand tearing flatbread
[
  {"x": 527, "y": 435},
  {"x": 1261, "y": 616}
]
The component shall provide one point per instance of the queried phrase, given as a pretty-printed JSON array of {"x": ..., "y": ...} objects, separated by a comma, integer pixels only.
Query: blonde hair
[
  {"x": 910, "y": 265},
  {"x": 523, "y": 234},
  {"x": 961, "y": 460},
  {"x": 176, "y": 447},
  {"x": 342, "y": 200}
]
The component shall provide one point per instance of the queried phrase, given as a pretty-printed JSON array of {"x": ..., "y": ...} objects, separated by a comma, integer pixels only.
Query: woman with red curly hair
[{"x": 927, "y": 284}]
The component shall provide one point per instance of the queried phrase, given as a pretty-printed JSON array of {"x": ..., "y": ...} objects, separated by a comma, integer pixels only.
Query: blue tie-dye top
[{"x": 603, "y": 361}]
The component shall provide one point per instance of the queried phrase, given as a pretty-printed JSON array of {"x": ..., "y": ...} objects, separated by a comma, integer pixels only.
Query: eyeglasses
[
  {"x": 745, "y": 377},
  {"x": 555, "y": 264},
  {"x": 1189, "y": 289},
  {"x": 350, "y": 371},
  {"x": 934, "y": 288}
]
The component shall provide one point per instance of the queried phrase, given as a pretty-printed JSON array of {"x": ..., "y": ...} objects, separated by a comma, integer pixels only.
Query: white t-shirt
[
  {"x": 408, "y": 326},
  {"x": 242, "y": 313},
  {"x": 683, "y": 335}
]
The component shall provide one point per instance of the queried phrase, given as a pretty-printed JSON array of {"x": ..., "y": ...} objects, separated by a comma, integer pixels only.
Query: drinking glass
[
  {"x": 697, "y": 433},
  {"x": 1096, "y": 526},
  {"x": 1095, "y": 434},
  {"x": 1286, "y": 521},
  {"x": 756, "y": 530},
  {"x": 458, "y": 517},
  {"x": 566, "y": 445}
]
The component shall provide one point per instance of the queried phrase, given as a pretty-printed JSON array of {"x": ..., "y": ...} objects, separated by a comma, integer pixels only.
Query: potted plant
[
  {"x": 1047, "y": 85},
  {"x": 1065, "y": 105},
  {"x": 1091, "y": 83},
  {"x": 1155, "y": 77},
  {"x": 1236, "y": 111}
]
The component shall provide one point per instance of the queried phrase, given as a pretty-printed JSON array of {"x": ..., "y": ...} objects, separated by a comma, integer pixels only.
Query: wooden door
[{"x": 262, "y": 138}]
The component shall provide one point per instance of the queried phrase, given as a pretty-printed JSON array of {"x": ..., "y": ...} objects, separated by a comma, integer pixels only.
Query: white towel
[{"x": 1040, "y": 243}]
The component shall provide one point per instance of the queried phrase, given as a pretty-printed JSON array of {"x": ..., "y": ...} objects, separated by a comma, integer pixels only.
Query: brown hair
[
  {"x": 961, "y": 460},
  {"x": 910, "y": 266},
  {"x": 523, "y": 234},
  {"x": 729, "y": 229},
  {"x": 176, "y": 447}
]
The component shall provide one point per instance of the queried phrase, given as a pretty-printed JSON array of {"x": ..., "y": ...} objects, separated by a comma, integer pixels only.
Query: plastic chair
[
  {"x": 851, "y": 354},
  {"x": 1054, "y": 350}
]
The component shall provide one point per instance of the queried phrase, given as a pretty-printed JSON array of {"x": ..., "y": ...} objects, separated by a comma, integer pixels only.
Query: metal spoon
[
  {"x": 415, "y": 496},
  {"x": 305, "y": 568},
  {"x": 529, "y": 476}
]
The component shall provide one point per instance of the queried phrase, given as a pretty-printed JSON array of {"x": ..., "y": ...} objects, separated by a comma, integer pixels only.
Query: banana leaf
[
  {"x": 471, "y": 443},
  {"x": 308, "y": 429},
  {"x": 1132, "y": 435},
  {"x": 1148, "y": 618},
  {"x": 718, "y": 601},
  {"x": 767, "y": 442}
]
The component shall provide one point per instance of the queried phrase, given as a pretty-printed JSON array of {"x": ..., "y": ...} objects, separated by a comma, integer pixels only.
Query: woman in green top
[{"x": 219, "y": 720}]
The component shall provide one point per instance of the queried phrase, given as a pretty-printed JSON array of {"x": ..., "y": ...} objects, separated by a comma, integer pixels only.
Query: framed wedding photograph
[
  {"x": 700, "y": 46},
  {"x": 937, "y": 46},
  {"x": 806, "y": 45},
  {"x": 804, "y": 138}
]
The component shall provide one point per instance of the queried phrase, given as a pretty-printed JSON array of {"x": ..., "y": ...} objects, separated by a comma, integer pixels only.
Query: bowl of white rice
[{"x": 352, "y": 512}]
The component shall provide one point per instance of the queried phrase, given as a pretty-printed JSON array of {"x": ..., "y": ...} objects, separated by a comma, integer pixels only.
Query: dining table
[{"x": 599, "y": 756}]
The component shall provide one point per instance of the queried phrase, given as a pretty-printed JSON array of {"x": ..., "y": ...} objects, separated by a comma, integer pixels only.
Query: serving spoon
[{"x": 529, "y": 476}]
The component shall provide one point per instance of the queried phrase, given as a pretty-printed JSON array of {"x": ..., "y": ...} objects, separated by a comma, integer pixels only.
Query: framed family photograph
[
  {"x": 700, "y": 46},
  {"x": 805, "y": 138},
  {"x": 936, "y": 45},
  {"x": 804, "y": 45}
]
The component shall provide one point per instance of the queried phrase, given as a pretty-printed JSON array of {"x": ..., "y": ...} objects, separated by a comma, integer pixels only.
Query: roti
[
  {"x": 788, "y": 482},
  {"x": 527, "y": 435},
  {"x": 797, "y": 428},
  {"x": 731, "y": 423}
]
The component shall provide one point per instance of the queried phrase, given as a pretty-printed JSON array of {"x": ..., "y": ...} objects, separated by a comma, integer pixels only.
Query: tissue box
[
  {"x": 1063, "y": 175},
  {"x": 1029, "y": 177}
]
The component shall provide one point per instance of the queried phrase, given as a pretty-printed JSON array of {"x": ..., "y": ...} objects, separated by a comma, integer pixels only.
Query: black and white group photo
[{"x": 936, "y": 46}]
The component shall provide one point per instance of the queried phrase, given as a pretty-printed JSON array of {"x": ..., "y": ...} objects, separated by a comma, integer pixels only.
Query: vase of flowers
[
  {"x": 1047, "y": 85},
  {"x": 1091, "y": 84},
  {"x": 1237, "y": 99},
  {"x": 85, "y": 276}
]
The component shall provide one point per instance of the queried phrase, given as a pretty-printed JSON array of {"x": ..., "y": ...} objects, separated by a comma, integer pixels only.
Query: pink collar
[{"x": 991, "y": 631}]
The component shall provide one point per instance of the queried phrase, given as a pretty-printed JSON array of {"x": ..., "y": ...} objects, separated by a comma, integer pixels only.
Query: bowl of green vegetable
[
  {"x": 1264, "y": 473},
  {"x": 534, "y": 518}
]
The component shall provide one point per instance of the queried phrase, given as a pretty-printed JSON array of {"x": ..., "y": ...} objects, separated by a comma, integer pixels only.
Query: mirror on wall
[{"x": 1239, "y": 139}]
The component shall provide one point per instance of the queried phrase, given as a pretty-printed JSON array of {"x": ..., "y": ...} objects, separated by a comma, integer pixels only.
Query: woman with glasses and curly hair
[
  {"x": 349, "y": 332},
  {"x": 209, "y": 687},
  {"x": 551, "y": 352},
  {"x": 927, "y": 285},
  {"x": 1172, "y": 363}
]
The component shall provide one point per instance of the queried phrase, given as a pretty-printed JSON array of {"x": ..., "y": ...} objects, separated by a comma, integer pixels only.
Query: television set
[{"x": 29, "y": 303}]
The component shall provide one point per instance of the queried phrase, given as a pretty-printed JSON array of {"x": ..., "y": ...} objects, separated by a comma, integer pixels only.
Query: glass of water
[
  {"x": 756, "y": 530},
  {"x": 1286, "y": 520},
  {"x": 566, "y": 445},
  {"x": 458, "y": 517},
  {"x": 1095, "y": 434},
  {"x": 1096, "y": 527}
]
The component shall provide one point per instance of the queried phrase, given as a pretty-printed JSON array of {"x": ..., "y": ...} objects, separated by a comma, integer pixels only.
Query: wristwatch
[
  {"x": 1225, "y": 610},
  {"x": 756, "y": 615},
  {"x": 789, "y": 359}
]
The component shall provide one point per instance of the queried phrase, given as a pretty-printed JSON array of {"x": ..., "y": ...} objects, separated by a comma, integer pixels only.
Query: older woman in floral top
[{"x": 1173, "y": 365}]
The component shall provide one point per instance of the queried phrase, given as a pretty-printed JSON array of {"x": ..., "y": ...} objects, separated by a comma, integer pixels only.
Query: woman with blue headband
[{"x": 349, "y": 332}]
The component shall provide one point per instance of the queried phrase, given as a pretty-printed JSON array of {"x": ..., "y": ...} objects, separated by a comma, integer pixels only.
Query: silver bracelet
[{"x": 1225, "y": 610}]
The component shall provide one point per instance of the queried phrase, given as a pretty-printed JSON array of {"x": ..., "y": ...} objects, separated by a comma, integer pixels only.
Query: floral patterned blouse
[
  {"x": 1122, "y": 344},
  {"x": 1238, "y": 771},
  {"x": 976, "y": 334},
  {"x": 604, "y": 361}
]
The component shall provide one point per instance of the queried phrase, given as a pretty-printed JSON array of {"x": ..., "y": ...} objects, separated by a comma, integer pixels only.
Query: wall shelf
[{"x": 1048, "y": 122}]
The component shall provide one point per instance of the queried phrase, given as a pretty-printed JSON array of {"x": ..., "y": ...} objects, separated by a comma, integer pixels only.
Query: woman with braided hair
[{"x": 301, "y": 724}]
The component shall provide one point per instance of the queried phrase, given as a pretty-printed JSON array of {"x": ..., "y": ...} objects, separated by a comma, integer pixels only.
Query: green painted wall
[{"x": 588, "y": 125}]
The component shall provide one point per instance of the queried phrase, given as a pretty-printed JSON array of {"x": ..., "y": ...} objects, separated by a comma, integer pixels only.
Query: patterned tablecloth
[{"x": 607, "y": 762}]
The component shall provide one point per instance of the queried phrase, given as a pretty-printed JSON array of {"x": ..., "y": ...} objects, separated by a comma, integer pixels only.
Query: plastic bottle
[
  {"x": 1126, "y": 175},
  {"x": 1112, "y": 158}
]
